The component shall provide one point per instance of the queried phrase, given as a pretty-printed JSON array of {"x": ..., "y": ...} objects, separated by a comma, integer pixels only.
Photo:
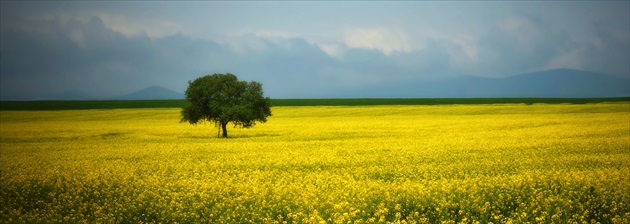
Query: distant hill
[
  {"x": 153, "y": 93},
  {"x": 564, "y": 83},
  {"x": 555, "y": 83}
]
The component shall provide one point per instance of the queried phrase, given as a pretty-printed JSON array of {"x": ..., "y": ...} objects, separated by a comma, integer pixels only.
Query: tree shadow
[{"x": 232, "y": 136}]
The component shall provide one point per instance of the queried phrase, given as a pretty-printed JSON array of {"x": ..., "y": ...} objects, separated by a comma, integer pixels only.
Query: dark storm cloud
[
  {"x": 88, "y": 57},
  {"x": 108, "y": 49},
  {"x": 520, "y": 44}
]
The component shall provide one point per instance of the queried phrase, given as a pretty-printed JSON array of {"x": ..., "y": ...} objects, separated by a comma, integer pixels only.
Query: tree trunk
[{"x": 224, "y": 127}]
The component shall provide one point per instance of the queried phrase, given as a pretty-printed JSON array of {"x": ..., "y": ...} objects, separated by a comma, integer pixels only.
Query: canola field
[{"x": 506, "y": 163}]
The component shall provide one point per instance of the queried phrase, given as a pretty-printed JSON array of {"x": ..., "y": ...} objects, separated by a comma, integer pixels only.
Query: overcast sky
[{"x": 298, "y": 49}]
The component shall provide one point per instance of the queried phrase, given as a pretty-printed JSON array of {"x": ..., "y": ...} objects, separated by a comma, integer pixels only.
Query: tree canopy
[{"x": 222, "y": 98}]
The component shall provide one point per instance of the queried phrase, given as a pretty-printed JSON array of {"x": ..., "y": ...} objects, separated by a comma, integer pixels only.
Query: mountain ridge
[{"x": 554, "y": 83}]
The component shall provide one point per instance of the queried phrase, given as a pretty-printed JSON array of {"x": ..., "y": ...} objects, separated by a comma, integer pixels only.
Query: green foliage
[{"x": 222, "y": 98}]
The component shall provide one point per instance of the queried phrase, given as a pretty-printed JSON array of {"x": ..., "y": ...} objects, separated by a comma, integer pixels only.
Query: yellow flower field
[{"x": 362, "y": 164}]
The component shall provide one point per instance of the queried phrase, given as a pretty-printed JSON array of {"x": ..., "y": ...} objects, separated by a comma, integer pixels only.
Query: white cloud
[
  {"x": 383, "y": 39},
  {"x": 243, "y": 45},
  {"x": 154, "y": 28},
  {"x": 333, "y": 50},
  {"x": 272, "y": 34}
]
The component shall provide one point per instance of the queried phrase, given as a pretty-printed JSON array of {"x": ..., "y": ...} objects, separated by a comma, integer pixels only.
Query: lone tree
[{"x": 221, "y": 98}]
